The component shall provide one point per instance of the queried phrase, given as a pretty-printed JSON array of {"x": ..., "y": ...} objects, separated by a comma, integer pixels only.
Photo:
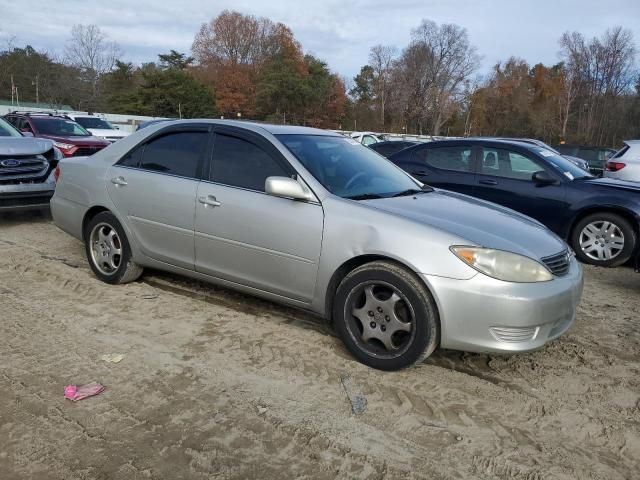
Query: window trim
[{"x": 182, "y": 128}]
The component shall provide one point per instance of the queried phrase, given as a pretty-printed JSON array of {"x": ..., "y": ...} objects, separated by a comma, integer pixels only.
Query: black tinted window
[
  {"x": 447, "y": 158},
  {"x": 621, "y": 152},
  {"x": 240, "y": 163},
  {"x": 175, "y": 153},
  {"x": 132, "y": 159}
]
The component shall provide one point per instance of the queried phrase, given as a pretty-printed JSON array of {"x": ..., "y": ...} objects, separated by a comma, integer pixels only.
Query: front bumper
[
  {"x": 26, "y": 196},
  {"x": 483, "y": 314}
]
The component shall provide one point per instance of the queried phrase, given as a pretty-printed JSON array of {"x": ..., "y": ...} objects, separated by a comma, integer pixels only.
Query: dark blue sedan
[{"x": 598, "y": 217}]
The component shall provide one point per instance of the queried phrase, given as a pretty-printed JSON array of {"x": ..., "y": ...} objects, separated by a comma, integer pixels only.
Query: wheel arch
[
  {"x": 623, "y": 212},
  {"x": 90, "y": 214},
  {"x": 357, "y": 261}
]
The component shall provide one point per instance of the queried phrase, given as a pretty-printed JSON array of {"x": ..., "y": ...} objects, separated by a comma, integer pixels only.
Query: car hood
[
  {"x": 477, "y": 221},
  {"x": 106, "y": 132},
  {"x": 79, "y": 141},
  {"x": 24, "y": 146},
  {"x": 613, "y": 183}
]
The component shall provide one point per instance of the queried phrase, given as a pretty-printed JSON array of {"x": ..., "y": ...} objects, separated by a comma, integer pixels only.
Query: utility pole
[{"x": 37, "y": 93}]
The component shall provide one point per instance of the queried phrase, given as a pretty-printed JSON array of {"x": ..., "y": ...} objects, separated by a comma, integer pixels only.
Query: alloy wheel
[
  {"x": 601, "y": 240},
  {"x": 380, "y": 319},
  {"x": 106, "y": 248}
]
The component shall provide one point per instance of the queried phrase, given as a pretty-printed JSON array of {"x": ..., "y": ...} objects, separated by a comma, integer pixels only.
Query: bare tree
[
  {"x": 432, "y": 70},
  {"x": 91, "y": 51},
  {"x": 381, "y": 60}
]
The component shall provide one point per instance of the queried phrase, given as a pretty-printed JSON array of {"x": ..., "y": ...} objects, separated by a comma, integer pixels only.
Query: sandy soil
[{"x": 215, "y": 384}]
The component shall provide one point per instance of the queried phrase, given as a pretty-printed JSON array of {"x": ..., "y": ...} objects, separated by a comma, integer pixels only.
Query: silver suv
[{"x": 27, "y": 170}]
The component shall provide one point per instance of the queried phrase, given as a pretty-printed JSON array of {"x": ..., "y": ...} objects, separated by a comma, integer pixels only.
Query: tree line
[
  {"x": 591, "y": 96},
  {"x": 242, "y": 66}
]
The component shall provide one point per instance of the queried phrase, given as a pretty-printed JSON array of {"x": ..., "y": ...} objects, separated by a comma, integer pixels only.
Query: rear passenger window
[
  {"x": 240, "y": 163},
  {"x": 177, "y": 153},
  {"x": 457, "y": 159},
  {"x": 132, "y": 159},
  {"x": 621, "y": 152}
]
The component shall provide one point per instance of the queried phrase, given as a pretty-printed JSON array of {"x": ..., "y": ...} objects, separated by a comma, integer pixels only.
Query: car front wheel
[
  {"x": 604, "y": 239},
  {"x": 385, "y": 316},
  {"x": 108, "y": 250}
]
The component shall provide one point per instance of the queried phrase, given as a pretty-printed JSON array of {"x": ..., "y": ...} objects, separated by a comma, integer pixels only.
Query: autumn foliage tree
[{"x": 257, "y": 69}]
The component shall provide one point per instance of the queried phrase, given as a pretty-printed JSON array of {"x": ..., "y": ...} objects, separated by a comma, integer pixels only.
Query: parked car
[
  {"x": 596, "y": 157},
  {"x": 27, "y": 179},
  {"x": 598, "y": 217},
  {"x": 387, "y": 148},
  {"x": 365, "y": 138},
  {"x": 68, "y": 136},
  {"x": 312, "y": 219},
  {"x": 625, "y": 163},
  {"x": 98, "y": 127}
]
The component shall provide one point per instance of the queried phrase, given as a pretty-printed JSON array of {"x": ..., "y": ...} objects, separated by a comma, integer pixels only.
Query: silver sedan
[{"x": 312, "y": 219}]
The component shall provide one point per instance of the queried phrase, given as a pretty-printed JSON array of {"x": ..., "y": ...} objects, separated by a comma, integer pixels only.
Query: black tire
[
  {"x": 621, "y": 256},
  {"x": 415, "y": 303},
  {"x": 127, "y": 270}
]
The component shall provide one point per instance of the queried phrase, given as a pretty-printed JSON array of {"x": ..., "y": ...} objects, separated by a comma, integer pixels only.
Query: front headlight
[
  {"x": 63, "y": 146},
  {"x": 506, "y": 266}
]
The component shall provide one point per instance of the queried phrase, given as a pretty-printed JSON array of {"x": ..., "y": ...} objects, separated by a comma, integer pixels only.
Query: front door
[
  {"x": 505, "y": 177},
  {"x": 154, "y": 186},
  {"x": 249, "y": 237}
]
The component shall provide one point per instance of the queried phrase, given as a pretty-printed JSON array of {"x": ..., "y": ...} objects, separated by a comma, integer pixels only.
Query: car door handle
[
  {"x": 488, "y": 182},
  {"x": 424, "y": 173},
  {"x": 119, "y": 181},
  {"x": 209, "y": 201}
]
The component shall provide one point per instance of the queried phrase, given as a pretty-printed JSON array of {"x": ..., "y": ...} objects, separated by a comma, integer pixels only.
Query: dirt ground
[{"x": 215, "y": 384}]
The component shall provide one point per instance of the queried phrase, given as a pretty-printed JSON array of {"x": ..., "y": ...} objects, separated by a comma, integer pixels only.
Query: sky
[{"x": 338, "y": 31}]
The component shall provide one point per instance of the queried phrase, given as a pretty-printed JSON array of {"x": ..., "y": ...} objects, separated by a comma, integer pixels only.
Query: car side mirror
[
  {"x": 543, "y": 178},
  {"x": 286, "y": 187},
  {"x": 26, "y": 133}
]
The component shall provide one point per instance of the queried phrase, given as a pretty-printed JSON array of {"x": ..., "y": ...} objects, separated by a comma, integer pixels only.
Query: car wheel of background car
[
  {"x": 108, "y": 250},
  {"x": 385, "y": 316},
  {"x": 604, "y": 239}
]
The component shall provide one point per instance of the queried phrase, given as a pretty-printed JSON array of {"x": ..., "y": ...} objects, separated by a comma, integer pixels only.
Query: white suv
[
  {"x": 98, "y": 126},
  {"x": 625, "y": 164}
]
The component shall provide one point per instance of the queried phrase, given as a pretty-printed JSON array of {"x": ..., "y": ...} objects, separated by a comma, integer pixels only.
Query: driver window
[{"x": 507, "y": 164}]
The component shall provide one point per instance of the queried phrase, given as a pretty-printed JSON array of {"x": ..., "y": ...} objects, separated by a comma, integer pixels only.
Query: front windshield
[
  {"x": 346, "y": 168},
  {"x": 564, "y": 166},
  {"x": 8, "y": 130},
  {"x": 58, "y": 126},
  {"x": 94, "y": 122}
]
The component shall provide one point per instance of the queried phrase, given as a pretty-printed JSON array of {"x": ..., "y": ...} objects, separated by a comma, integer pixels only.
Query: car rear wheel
[
  {"x": 385, "y": 316},
  {"x": 604, "y": 239},
  {"x": 108, "y": 250}
]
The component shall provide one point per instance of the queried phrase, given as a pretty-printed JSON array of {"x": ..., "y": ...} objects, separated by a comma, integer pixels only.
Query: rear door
[
  {"x": 505, "y": 177},
  {"x": 449, "y": 167},
  {"x": 249, "y": 237},
  {"x": 154, "y": 186}
]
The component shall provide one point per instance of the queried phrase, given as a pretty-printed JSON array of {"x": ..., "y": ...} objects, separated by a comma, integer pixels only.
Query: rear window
[
  {"x": 58, "y": 126},
  {"x": 621, "y": 152}
]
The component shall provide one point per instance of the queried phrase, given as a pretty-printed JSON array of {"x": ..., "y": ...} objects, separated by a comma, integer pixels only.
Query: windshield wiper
[
  {"x": 412, "y": 191},
  {"x": 365, "y": 196}
]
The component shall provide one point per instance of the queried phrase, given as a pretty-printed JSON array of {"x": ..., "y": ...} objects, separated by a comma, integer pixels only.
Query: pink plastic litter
[{"x": 78, "y": 392}]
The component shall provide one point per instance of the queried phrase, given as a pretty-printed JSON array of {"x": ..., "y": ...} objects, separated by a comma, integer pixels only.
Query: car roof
[{"x": 259, "y": 127}]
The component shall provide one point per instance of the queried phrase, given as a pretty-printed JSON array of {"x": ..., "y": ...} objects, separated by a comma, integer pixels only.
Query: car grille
[
  {"x": 22, "y": 168},
  {"x": 559, "y": 263},
  {"x": 86, "y": 151}
]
